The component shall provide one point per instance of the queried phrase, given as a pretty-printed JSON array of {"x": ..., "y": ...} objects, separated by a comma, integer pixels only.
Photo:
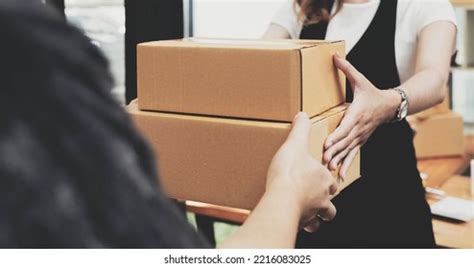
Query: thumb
[
  {"x": 349, "y": 70},
  {"x": 300, "y": 130}
]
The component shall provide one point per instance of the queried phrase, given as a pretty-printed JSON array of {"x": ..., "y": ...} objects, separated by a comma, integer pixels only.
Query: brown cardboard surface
[
  {"x": 462, "y": 2},
  {"x": 223, "y": 161},
  {"x": 266, "y": 80},
  {"x": 439, "y": 135}
]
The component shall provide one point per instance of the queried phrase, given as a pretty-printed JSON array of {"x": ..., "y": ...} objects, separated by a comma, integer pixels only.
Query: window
[
  {"x": 233, "y": 18},
  {"x": 104, "y": 22}
]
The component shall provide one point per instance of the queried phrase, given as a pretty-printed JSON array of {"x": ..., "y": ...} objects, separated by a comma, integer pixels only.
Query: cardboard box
[
  {"x": 439, "y": 135},
  {"x": 223, "y": 161},
  {"x": 256, "y": 79},
  {"x": 461, "y": 2}
]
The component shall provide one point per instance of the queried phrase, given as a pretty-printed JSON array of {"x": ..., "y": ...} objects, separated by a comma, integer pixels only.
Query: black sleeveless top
[
  {"x": 387, "y": 206},
  {"x": 374, "y": 56}
]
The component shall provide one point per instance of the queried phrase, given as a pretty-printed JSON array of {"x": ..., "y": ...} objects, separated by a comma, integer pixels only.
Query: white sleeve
[
  {"x": 287, "y": 17},
  {"x": 429, "y": 11}
]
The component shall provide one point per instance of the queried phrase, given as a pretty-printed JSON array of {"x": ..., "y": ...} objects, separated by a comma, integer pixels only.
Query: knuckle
[
  {"x": 329, "y": 183},
  {"x": 365, "y": 118},
  {"x": 326, "y": 193}
]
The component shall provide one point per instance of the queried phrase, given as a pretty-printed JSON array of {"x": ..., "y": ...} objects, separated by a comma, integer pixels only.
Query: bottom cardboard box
[
  {"x": 224, "y": 161},
  {"x": 438, "y": 135}
]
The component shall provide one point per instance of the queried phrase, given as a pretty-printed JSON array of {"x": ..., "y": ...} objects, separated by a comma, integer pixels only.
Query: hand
[
  {"x": 370, "y": 108},
  {"x": 295, "y": 175}
]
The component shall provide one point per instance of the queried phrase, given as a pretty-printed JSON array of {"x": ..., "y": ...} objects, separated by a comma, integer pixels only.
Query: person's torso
[
  {"x": 374, "y": 56},
  {"x": 352, "y": 20}
]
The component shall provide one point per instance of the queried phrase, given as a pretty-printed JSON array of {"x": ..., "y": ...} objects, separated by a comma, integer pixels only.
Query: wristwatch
[{"x": 402, "y": 110}]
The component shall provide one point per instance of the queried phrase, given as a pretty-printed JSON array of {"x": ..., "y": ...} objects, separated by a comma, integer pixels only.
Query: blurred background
[
  {"x": 116, "y": 26},
  {"x": 104, "y": 22}
]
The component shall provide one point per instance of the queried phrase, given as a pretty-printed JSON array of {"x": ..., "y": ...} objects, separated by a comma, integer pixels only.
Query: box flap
[
  {"x": 132, "y": 108},
  {"x": 282, "y": 44}
]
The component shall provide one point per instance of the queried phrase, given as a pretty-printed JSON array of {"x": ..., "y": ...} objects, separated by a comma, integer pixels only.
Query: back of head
[{"x": 73, "y": 171}]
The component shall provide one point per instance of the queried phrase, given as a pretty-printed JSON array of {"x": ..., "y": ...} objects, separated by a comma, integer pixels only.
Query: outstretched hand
[
  {"x": 303, "y": 179},
  {"x": 370, "y": 108}
]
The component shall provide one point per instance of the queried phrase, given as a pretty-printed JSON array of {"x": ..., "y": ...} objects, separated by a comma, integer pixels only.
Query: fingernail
[{"x": 343, "y": 175}]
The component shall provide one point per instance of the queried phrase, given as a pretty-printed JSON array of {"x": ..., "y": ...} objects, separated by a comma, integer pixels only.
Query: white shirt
[{"x": 353, "y": 19}]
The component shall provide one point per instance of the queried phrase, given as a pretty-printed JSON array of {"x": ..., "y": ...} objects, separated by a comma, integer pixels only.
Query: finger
[
  {"x": 346, "y": 67},
  {"x": 313, "y": 225},
  {"x": 348, "y": 161},
  {"x": 335, "y": 161},
  {"x": 345, "y": 127},
  {"x": 340, "y": 146},
  {"x": 329, "y": 213},
  {"x": 300, "y": 129}
]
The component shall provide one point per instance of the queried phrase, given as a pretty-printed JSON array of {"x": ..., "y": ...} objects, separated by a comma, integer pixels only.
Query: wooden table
[
  {"x": 452, "y": 234},
  {"x": 441, "y": 175},
  {"x": 439, "y": 170}
]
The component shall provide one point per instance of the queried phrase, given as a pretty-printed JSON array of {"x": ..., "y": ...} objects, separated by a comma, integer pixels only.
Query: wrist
[
  {"x": 281, "y": 192},
  {"x": 392, "y": 104}
]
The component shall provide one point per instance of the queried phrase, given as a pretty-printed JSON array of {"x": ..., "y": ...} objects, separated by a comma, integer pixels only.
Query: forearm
[
  {"x": 425, "y": 89},
  {"x": 272, "y": 224}
]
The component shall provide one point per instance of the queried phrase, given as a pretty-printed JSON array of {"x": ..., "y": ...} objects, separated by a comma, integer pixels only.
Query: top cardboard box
[{"x": 255, "y": 79}]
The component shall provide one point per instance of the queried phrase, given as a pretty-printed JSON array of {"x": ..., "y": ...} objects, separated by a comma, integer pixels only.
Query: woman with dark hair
[
  {"x": 397, "y": 64},
  {"x": 75, "y": 173}
]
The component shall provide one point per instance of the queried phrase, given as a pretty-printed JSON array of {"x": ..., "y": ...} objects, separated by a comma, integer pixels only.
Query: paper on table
[{"x": 454, "y": 208}]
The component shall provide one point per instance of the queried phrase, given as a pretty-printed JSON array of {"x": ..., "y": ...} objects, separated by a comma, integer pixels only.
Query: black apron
[{"x": 387, "y": 206}]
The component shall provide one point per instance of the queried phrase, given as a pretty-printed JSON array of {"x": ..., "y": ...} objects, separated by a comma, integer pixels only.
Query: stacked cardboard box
[
  {"x": 216, "y": 111},
  {"x": 438, "y": 131}
]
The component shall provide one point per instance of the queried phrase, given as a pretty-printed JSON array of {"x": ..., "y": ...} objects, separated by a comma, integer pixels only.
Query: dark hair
[
  {"x": 315, "y": 11},
  {"x": 73, "y": 170}
]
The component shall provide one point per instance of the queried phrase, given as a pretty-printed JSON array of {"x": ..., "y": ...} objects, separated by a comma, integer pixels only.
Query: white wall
[
  {"x": 463, "y": 80},
  {"x": 233, "y": 18}
]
